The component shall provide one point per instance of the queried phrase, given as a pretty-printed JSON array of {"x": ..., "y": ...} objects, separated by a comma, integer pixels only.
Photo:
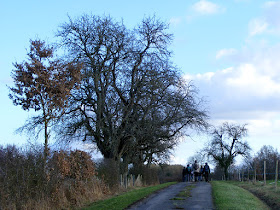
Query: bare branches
[
  {"x": 227, "y": 144},
  {"x": 134, "y": 101}
]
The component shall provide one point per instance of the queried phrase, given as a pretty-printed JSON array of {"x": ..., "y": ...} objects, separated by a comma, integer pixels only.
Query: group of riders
[{"x": 196, "y": 173}]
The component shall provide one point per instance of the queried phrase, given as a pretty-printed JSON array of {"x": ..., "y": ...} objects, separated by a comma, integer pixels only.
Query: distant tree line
[
  {"x": 253, "y": 164},
  {"x": 114, "y": 87}
]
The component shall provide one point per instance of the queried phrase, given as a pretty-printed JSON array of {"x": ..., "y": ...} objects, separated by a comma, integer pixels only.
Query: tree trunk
[
  {"x": 226, "y": 173},
  {"x": 46, "y": 139}
]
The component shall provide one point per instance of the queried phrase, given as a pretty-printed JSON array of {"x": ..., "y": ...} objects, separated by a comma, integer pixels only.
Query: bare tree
[
  {"x": 132, "y": 101},
  {"x": 270, "y": 155},
  {"x": 43, "y": 83},
  {"x": 227, "y": 144}
]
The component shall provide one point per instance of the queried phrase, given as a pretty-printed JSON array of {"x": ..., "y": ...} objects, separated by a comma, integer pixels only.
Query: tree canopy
[{"x": 132, "y": 101}]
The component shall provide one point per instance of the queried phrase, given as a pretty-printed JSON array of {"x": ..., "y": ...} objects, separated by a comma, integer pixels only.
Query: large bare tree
[
  {"x": 132, "y": 100},
  {"x": 43, "y": 83},
  {"x": 227, "y": 143}
]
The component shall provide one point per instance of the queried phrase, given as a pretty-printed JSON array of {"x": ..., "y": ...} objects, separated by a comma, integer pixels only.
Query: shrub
[
  {"x": 108, "y": 171},
  {"x": 68, "y": 179}
]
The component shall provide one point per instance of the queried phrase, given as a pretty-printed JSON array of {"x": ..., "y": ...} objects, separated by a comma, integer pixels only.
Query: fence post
[
  {"x": 255, "y": 179},
  {"x": 248, "y": 175},
  {"x": 239, "y": 178},
  {"x": 264, "y": 172},
  {"x": 276, "y": 174}
]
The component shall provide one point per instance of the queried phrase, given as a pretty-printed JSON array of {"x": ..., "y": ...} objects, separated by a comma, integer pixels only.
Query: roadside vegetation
[
  {"x": 112, "y": 87},
  {"x": 268, "y": 193},
  {"x": 228, "y": 195},
  {"x": 69, "y": 179},
  {"x": 125, "y": 200}
]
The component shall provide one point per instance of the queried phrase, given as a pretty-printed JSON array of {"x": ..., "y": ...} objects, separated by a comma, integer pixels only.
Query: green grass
[
  {"x": 230, "y": 196},
  {"x": 267, "y": 193},
  {"x": 124, "y": 200}
]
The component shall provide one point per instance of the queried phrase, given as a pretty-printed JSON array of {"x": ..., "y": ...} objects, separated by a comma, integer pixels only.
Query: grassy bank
[
  {"x": 126, "y": 199},
  {"x": 268, "y": 193},
  {"x": 230, "y": 196}
]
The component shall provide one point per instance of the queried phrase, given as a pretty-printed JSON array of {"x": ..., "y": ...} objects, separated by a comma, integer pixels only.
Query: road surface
[{"x": 182, "y": 195}]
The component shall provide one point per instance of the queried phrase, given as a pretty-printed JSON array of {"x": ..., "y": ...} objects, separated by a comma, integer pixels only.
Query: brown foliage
[
  {"x": 74, "y": 165},
  {"x": 69, "y": 179},
  {"x": 42, "y": 82}
]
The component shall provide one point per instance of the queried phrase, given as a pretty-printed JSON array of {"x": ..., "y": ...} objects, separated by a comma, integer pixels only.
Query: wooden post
[
  {"x": 276, "y": 174},
  {"x": 255, "y": 169},
  {"x": 248, "y": 175},
  {"x": 264, "y": 172},
  {"x": 239, "y": 178}
]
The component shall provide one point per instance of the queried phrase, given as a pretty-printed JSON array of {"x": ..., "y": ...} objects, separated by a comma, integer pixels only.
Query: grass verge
[
  {"x": 268, "y": 193},
  {"x": 230, "y": 196},
  {"x": 124, "y": 200}
]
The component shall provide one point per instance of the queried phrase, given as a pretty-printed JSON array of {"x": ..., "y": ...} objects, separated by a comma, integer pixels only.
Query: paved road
[{"x": 201, "y": 198}]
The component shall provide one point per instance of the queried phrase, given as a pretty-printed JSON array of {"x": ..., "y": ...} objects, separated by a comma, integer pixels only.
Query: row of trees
[{"x": 114, "y": 87}]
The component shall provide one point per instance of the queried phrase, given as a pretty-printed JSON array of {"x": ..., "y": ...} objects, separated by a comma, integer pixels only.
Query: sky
[{"x": 230, "y": 50}]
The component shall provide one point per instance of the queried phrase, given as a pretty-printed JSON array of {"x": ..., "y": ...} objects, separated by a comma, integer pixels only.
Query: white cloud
[
  {"x": 248, "y": 79},
  {"x": 225, "y": 52},
  {"x": 249, "y": 87},
  {"x": 175, "y": 21},
  {"x": 206, "y": 7},
  {"x": 257, "y": 26}
]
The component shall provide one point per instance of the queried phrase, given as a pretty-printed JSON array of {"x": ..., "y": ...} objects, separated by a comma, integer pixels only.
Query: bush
[
  {"x": 108, "y": 171},
  {"x": 170, "y": 173},
  {"x": 67, "y": 179},
  {"x": 155, "y": 174}
]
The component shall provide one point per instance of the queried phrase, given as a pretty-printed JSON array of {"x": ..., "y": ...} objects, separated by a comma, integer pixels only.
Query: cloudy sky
[{"x": 229, "y": 49}]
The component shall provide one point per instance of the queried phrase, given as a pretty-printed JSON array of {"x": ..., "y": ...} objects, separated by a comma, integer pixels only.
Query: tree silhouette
[
  {"x": 227, "y": 144},
  {"x": 132, "y": 101}
]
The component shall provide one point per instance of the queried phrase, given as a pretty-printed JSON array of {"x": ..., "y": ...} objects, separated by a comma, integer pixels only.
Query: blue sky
[{"x": 229, "y": 49}]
